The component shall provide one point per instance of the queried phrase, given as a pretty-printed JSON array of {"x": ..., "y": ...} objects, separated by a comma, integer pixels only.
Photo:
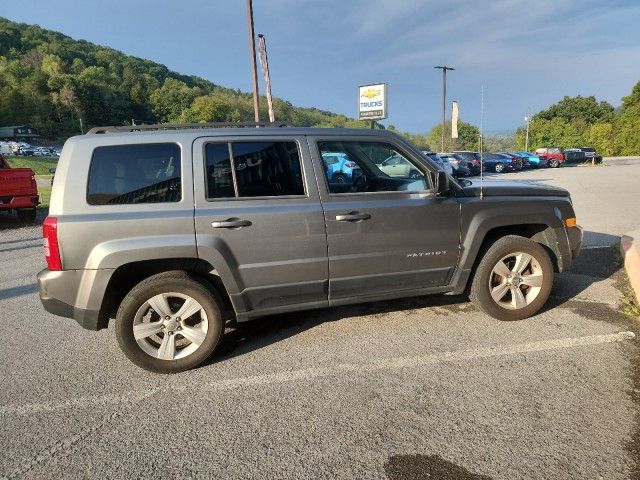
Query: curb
[{"x": 630, "y": 248}]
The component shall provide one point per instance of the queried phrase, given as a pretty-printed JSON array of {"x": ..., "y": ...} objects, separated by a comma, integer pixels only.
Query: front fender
[{"x": 480, "y": 216}]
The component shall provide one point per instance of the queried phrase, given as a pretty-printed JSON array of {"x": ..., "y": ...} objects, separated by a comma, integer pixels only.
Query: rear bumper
[
  {"x": 75, "y": 294},
  {"x": 9, "y": 202}
]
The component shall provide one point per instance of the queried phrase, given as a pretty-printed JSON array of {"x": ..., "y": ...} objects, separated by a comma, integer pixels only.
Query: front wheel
[
  {"x": 554, "y": 163},
  {"x": 513, "y": 280},
  {"x": 499, "y": 168},
  {"x": 169, "y": 323}
]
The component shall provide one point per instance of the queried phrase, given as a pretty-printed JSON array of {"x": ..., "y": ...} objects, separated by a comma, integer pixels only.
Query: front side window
[
  {"x": 131, "y": 174},
  {"x": 369, "y": 167},
  {"x": 254, "y": 169}
]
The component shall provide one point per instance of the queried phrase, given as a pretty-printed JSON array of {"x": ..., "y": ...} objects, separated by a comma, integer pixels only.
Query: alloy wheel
[
  {"x": 515, "y": 281},
  {"x": 170, "y": 326}
]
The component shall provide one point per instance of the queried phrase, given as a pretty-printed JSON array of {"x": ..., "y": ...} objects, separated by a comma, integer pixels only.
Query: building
[{"x": 18, "y": 132}]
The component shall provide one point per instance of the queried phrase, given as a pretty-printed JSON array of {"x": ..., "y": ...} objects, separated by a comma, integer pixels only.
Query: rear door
[
  {"x": 385, "y": 234},
  {"x": 259, "y": 221}
]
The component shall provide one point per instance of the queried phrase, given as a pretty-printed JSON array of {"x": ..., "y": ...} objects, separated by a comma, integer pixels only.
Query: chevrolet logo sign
[{"x": 370, "y": 93}]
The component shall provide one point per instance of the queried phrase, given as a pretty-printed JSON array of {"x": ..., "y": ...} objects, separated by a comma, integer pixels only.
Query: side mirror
[{"x": 442, "y": 183}]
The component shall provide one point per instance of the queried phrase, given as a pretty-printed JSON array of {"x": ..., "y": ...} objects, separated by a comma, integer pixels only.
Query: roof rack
[{"x": 184, "y": 126}]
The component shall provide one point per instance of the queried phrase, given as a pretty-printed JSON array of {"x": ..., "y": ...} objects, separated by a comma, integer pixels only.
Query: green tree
[
  {"x": 586, "y": 109},
  {"x": 627, "y": 125},
  {"x": 468, "y": 137},
  {"x": 601, "y": 137},
  {"x": 172, "y": 99}
]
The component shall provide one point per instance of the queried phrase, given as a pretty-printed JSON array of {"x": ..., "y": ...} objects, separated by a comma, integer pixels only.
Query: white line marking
[
  {"x": 412, "y": 362},
  {"x": 595, "y": 247},
  {"x": 82, "y": 402},
  {"x": 311, "y": 373}
]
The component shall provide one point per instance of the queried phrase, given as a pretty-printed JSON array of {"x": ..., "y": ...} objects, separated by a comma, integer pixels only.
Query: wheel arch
[{"x": 126, "y": 276}]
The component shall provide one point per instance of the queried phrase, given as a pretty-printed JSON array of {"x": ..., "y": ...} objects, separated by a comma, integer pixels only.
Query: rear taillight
[{"x": 51, "y": 247}]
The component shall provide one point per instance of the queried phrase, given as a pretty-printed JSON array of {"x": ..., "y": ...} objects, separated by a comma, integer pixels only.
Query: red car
[
  {"x": 18, "y": 191},
  {"x": 553, "y": 155}
]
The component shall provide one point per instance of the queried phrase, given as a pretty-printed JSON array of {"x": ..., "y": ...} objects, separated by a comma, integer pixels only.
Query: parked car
[
  {"x": 398, "y": 166},
  {"x": 472, "y": 159},
  {"x": 574, "y": 155},
  {"x": 496, "y": 162},
  {"x": 460, "y": 167},
  {"x": 339, "y": 167},
  {"x": 519, "y": 161},
  {"x": 18, "y": 191},
  {"x": 442, "y": 163},
  {"x": 145, "y": 232},
  {"x": 553, "y": 155},
  {"x": 534, "y": 160},
  {"x": 591, "y": 154}
]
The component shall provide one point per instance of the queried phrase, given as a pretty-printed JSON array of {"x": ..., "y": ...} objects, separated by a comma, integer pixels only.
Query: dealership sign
[{"x": 372, "y": 102}]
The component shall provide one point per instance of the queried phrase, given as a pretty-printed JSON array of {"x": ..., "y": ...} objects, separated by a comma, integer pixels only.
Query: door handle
[
  {"x": 231, "y": 223},
  {"x": 353, "y": 217}
]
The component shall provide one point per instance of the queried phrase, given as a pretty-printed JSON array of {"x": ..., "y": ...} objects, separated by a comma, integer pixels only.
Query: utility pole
[
  {"x": 526, "y": 144},
  {"x": 252, "y": 55},
  {"x": 444, "y": 69}
]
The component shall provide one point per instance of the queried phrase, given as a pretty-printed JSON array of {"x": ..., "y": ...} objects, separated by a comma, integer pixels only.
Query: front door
[
  {"x": 259, "y": 221},
  {"x": 387, "y": 232}
]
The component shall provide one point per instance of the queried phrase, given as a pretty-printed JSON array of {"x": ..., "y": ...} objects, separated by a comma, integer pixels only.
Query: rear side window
[
  {"x": 132, "y": 174},
  {"x": 254, "y": 169}
]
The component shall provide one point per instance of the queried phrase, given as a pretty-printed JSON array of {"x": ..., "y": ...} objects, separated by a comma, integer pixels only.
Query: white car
[{"x": 398, "y": 166}]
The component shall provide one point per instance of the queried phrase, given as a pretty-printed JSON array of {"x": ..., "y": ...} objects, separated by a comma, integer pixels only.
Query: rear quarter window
[{"x": 134, "y": 174}]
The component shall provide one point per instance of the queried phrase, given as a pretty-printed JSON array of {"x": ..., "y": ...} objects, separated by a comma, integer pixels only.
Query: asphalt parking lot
[{"x": 396, "y": 389}]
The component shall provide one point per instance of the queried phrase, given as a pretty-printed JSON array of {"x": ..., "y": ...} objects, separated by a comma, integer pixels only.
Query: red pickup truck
[
  {"x": 553, "y": 155},
  {"x": 18, "y": 191}
]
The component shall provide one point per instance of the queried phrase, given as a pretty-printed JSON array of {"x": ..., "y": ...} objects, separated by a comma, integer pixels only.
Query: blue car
[
  {"x": 534, "y": 160},
  {"x": 339, "y": 167},
  {"x": 500, "y": 163}
]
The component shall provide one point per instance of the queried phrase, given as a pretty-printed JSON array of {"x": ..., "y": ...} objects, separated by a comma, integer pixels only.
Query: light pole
[
  {"x": 444, "y": 69},
  {"x": 254, "y": 68},
  {"x": 526, "y": 144}
]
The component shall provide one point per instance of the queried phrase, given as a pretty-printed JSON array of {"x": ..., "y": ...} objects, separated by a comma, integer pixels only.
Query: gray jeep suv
[{"x": 175, "y": 230}]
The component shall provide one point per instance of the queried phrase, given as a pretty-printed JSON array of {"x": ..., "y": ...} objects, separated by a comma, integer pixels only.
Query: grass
[{"x": 40, "y": 165}]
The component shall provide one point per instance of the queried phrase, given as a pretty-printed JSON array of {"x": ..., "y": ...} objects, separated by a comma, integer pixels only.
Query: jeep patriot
[{"x": 172, "y": 231}]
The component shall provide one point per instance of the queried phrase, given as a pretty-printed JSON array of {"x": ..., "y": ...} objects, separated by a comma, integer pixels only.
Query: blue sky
[{"x": 527, "y": 53}]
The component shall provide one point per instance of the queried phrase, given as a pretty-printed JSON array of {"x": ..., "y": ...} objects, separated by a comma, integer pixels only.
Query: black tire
[
  {"x": 499, "y": 168},
  {"x": 480, "y": 292},
  {"x": 179, "y": 282},
  {"x": 340, "y": 178},
  {"x": 554, "y": 163},
  {"x": 27, "y": 215}
]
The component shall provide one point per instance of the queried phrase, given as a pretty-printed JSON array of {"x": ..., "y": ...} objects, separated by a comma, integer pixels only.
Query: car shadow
[
  {"x": 245, "y": 337},
  {"x": 10, "y": 221},
  {"x": 592, "y": 265},
  {"x": 12, "y": 292}
]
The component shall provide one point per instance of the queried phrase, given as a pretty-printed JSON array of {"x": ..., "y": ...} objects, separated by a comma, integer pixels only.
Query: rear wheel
[
  {"x": 169, "y": 323},
  {"x": 513, "y": 280},
  {"x": 27, "y": 215},
  {"x": 499, "y": 168},
  {"x": 554, "y": 163}
]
